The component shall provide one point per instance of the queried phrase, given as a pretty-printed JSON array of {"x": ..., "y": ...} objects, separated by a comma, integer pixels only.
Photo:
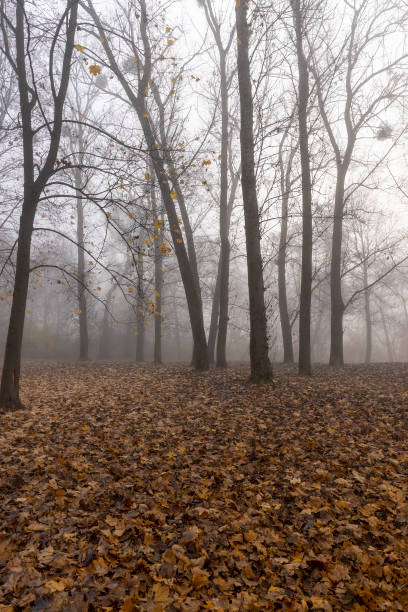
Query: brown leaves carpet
[{"x": 160, "y": 489}]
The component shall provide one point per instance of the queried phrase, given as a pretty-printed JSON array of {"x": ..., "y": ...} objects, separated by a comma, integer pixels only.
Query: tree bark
[
  {"x": 158, "y": 279},
  {"x": 367, "y": 314},
  {"x": 286, "y": 328},
  {"x": 390, "y": 352},
  {"x": 221, "y": 360},
  {"x": 103, "y": 352},
  {"x": 140, "y": 307},
  {"x": 82, "y": 303},
  {"x": 215, "y": 311},
  {"x": 337, "y": 304},
  {"x": 285, "y": 189},
  {"x": 177, "y": 329},
  {"x": 305, "y": 366},
  {"x": 261, "y": 369}
]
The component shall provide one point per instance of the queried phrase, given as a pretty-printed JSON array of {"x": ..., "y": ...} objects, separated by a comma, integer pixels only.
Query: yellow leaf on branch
[{"x": 95, "y": 69}]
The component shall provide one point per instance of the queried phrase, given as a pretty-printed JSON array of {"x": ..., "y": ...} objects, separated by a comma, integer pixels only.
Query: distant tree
[{"x": 355, "y": 84}]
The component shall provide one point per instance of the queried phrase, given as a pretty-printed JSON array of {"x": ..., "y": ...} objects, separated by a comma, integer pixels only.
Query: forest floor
[{"x": 160, "y": 489}]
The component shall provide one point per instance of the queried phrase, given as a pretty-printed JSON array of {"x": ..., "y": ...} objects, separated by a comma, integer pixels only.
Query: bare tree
[
  {"x": 285, "y": 168},
  {"x": 137, "y": 99},
  {"x": 221, "y": 292},
  {"x": 300, "y": 25},
  {"x": 350, "y": 75},
  {"x": 261, "y": 369},
  {"x": 18, "y": 36}
]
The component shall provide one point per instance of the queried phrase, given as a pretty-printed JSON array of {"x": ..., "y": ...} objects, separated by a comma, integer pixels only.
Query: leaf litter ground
[{"x": 160, "y": 489}]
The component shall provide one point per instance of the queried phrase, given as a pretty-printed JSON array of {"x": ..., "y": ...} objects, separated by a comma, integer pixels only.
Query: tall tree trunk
[
  {"x": 82, "y": 302},
  {"x": 369, "y": 327},
  {"x": 215, "y": 311},
  {"x": 305, "y": 366},
  {"x": 158, "y": 283},
  {"x": 337, "y": 305},
  {"x": 285, "y": 189},
  {"x": 390, "y": 352},
  {"x": 282, "y": 296},
  {"x": 316, "y": 329},
  {"x": 261, "y": 369},
  {"x": 221, "y": 361},
  {"x": 10, "y": 382},
  {"x": 158, "y": 279},
  {"x": 140, "y": 310},
  {"x": 367, "y": 314},
  {"x": 177, "y": 329},
  {"x": 104, "y": 342}
]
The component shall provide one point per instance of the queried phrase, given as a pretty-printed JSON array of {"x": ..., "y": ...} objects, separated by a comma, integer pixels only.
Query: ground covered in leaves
[{"x": 159, "y": 489}]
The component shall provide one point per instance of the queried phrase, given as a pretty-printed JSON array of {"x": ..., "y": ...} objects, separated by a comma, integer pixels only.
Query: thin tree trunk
[
  {"x": 316, "y": 330},
  {"x": 140, "y": 310},
  {"x": 103, "y": 352},
  {"x": 337, "y": 305},
  {"x": 286, "y": 328},
  {"x": 158, "y": 279},
  {"x": 221, "y": 361},
  {"x": 285, "y": 188},
  {"x": 82, "y": 303},
  {"x": 368, "y": 321},
  {"x": 261, "y": 369},
  {"x": 387, "y": 338},
  {"x": 215, "y": 311},
  {"x": 177, "y": 330},
  {"x": 305, "y": 366}
]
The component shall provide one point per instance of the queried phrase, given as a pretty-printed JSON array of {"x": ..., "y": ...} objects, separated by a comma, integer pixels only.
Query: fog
[{"x": 103, "y": 252}]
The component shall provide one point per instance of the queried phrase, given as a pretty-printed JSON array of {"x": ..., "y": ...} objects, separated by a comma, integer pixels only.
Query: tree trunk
[
  {"x": 140, "y": 310},
  {"x": 368, "y": 321},
  {"x": 261, "y": 369},
  {"x": 177, "y": 329},
  {"x": 283, "y": 302},
  {"x": 215, "y": 311},
  {"x": 369, "y": 328},
  {"x": 103, "y": 352},
  {"x": 305, "y": 366},
  {"x": 390, "y": 352},
  {"x": 337, "y": 305},
  {"x": 10, "y": 382},
  {"x": 82, "y": 303},
  {"x": 221, "y": 361},
  {"x": 285, "y": 189},
  {"x": 158, "y": 280}
]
